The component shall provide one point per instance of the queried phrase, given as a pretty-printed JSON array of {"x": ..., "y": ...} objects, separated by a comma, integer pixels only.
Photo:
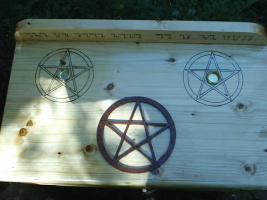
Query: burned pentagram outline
[
  {"x": 74, "y": 92},
  {"x": 155, "y": 163},
  {"x": 198, "y": 96}
]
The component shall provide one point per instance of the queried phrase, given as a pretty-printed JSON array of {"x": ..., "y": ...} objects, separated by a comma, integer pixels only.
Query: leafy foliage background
[{"x": 13, "y": 11}]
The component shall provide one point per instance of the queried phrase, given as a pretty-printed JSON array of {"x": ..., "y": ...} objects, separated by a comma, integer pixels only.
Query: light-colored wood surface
[
  {"x": 43, "y": 141},
  {"x": 142, "y": 31}
]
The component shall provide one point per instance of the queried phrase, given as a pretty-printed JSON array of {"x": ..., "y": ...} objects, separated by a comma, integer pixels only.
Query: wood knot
[
  {"x": 110, "y": 86},
  {"x": 155, "y": 172},
  {"x": 62, "y": 62},
  {"x": 23, "y": 132},
  {"x": 172, "y": 60},
  {"x": 250, "y": 168},
  {"x": 29, "y": 123},
  {"x": 240, "y": 106},
  {"x": 89, "y": 149}
]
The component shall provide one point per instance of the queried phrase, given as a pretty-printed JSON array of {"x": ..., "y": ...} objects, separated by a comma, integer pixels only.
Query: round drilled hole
[
  {"x": 213, "y": 77},
  {"x": 64, "y": 74}
]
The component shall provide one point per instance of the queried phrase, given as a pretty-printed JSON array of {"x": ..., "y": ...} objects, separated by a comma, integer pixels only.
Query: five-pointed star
[
  {"x": 224, "y": 92},
  {"x": 135, "y": 146},
  {"x": 70, "y": 67}
]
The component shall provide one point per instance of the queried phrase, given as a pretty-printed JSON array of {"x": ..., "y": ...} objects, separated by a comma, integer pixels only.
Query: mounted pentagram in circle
[
  {"x": 64, "y": 75},
  {"x": 136, "y": 135},
  {"x": 213, "y": 78}
]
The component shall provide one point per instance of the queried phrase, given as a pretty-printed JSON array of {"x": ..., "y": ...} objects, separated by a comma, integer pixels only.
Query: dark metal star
[{"x": 136, "y": 146}]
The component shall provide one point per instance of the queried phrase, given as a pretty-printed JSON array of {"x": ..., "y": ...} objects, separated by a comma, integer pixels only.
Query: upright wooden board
[
  {"x": 136, "y": 113},
  {"x": 142, "y": 31}
]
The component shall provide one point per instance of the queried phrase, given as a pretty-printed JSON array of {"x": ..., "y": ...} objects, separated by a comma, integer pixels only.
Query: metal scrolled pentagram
[
  {"x": 64, "y": 75},
  {"x": 139, "y": 103},
  {"x": 228, "y": 78}
]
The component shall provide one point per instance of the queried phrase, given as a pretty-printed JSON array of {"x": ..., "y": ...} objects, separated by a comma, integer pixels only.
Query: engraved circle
[
  {"x": 220, "y": 89},
  {"x": 107, "y": 122},
  {"x": 64, "y": 75}
]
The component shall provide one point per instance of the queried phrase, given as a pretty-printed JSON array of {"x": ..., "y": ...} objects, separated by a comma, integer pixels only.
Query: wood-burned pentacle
[
  {"x": 213, "y": 78},
  {"x": 64, "y": 75}
]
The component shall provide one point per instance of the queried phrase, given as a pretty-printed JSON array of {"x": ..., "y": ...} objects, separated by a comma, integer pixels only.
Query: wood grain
[
  {"x": 141, "y": 31},
  {"x": 48, "y": 142}
]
